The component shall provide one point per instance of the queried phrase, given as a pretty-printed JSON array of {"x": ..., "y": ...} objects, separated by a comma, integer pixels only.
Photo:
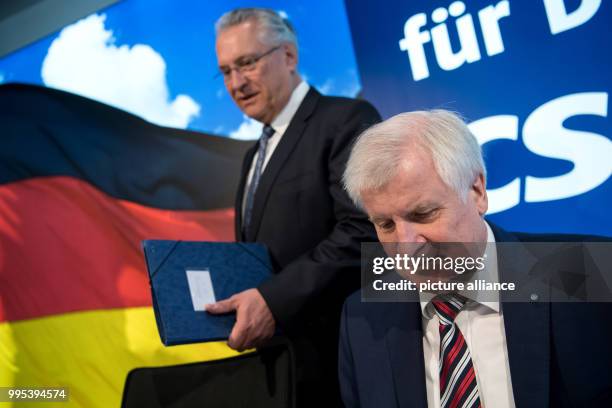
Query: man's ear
[
  {"x": 478, "y": 193},
  {"x": 291, "y": 56}
]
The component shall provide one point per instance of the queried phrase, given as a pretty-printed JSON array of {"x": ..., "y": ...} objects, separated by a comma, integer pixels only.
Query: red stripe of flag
[{"x": 66, "y": 246}]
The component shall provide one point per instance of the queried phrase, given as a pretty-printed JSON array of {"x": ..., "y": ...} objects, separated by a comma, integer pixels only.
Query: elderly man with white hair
[{"x": 420, "y": 178}]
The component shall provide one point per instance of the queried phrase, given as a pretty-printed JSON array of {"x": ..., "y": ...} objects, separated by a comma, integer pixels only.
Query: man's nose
[
  {"x": 237, "y": 79},
  {"x": 409, "y": 232}
]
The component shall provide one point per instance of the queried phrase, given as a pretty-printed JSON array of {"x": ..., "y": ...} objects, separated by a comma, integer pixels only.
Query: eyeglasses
[{"x": 244, "y": 64}]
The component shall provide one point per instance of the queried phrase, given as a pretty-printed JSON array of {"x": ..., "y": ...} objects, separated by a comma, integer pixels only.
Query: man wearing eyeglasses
[{"x": 290, "y": 198}]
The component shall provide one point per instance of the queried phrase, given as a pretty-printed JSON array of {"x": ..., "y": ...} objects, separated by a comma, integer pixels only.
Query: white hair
[
  {"x": 379, "y": 151},
  {"x": 277, "y": 30}
]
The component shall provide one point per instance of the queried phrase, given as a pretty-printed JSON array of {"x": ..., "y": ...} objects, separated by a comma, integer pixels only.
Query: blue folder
[{"x": 173, "y": 268}]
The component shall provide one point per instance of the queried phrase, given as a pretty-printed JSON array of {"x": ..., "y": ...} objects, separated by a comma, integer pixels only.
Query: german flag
[{"x": 81, "y": 185}]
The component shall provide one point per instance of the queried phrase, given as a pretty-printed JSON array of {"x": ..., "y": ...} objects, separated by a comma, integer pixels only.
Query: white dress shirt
[
  {"x": 481, "y": 322},
  {"x": 280, "y": 125}
]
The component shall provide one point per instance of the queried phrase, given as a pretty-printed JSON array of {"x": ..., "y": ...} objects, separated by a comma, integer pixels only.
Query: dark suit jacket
[
  {"x": 304, "y": 216},
  {"x": 560, "y": 353}
]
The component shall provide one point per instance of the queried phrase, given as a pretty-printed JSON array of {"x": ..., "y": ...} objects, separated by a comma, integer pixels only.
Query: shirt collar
[
  {"x": 490, "y": 273},
  {"x": 282, "y": 120}
]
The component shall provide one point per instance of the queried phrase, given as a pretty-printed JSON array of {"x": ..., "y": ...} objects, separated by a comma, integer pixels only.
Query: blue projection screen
[{"x": 532, "y": 78}]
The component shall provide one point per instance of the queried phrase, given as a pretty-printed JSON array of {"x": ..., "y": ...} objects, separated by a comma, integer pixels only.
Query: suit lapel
[
  {"x": 246, "y": 166},
  {"x": 404, "y": 341},
  {"x": 527, "y": 328},
  {"x": 282, "y": 152},
  {"x": 527, "y": 337}
]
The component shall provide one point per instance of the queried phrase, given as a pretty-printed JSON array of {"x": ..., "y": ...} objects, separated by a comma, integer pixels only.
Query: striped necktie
[
  {"x": 458, "y": 386},
  {"x": 266, "y": 133}
]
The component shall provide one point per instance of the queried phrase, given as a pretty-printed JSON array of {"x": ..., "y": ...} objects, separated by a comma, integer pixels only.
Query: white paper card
[{"x": 201, "y": 288}]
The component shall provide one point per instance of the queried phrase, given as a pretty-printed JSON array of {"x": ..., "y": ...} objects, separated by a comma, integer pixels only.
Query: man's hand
[{"x": 254, "y": 321}]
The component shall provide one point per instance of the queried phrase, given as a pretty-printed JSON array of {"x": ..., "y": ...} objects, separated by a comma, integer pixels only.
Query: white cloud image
[
  {"x": 351, "y": 89},
  {"x": 327, "y": 87},
  {"x": 85, "y": 60},
  {"x": 349, "y": 86},
  {"x": 249, "y": 129}
]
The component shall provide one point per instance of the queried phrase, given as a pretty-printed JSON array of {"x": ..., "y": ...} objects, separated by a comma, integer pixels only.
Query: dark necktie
[
  {"x": 458, "y": 386},
  {"x": 266, "y": 133}
]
